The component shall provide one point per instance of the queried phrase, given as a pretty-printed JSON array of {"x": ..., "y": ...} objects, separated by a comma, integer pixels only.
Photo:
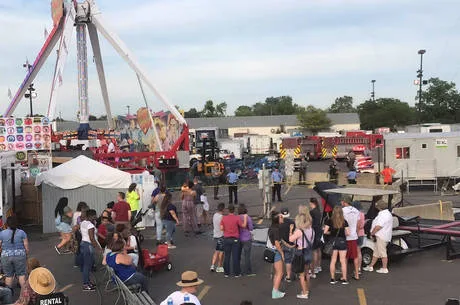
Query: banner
[{"x": 18, "y": 134}]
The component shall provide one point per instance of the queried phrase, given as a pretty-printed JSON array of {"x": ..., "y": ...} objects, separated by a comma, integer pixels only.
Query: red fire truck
[{"x": 318, "y": 147}]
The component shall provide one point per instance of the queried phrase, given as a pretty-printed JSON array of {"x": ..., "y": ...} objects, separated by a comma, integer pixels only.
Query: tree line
[{"x": 440, "y": 103}]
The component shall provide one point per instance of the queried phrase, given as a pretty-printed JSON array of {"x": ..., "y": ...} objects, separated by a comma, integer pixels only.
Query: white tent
[{"x": 83, "y": 171}]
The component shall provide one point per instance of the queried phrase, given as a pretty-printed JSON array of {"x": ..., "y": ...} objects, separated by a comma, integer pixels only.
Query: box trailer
[
  {"x": 423, "y": 155},
  {"x": 234, "y": 146}
]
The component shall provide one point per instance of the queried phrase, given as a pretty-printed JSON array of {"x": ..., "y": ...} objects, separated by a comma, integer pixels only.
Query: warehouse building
[{"x": 268, "y": 125}]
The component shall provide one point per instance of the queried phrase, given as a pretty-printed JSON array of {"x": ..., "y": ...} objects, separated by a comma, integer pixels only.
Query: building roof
[
  {"x": 72, "y": 125},
  {"x": 232, "y": 121},
  {"x": 423, "y": 135},
  {"x": 266, "y": 121}
]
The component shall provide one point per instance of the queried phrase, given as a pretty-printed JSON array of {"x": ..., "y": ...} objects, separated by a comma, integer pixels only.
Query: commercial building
[{"x": 269, "y": 125}]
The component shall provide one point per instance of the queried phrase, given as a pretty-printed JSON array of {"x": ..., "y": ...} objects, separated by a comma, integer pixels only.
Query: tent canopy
[{"x": 83, "y": 171}]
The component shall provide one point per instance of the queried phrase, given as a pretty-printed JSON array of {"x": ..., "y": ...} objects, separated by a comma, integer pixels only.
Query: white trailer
[
  {"x": 257, "y": 144},
  {"x": 234, "y": 146},
  {"x": 423, "y": 155}
]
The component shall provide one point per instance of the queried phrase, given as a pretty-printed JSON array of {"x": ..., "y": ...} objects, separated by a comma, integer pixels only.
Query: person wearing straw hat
[
  {"x": 41, "y": 282},
  {"x": 186, "y": 295}
]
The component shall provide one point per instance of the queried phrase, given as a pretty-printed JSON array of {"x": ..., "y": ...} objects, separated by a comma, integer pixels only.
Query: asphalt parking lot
[{"x": 420, "y": 278}]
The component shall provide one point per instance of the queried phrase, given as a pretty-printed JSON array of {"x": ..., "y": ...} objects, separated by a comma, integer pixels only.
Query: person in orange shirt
[{"x": 387, "y": 174}]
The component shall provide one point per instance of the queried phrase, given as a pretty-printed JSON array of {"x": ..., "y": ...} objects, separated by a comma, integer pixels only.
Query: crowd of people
[
  {"x": 296, "y": 245},
  {"x": 90, "y": 236}
]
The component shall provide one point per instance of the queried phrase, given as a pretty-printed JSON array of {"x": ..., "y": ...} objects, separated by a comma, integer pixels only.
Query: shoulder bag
[
  {"x": 269, "y": 252},
  {"x": 329, "y": 245},
  {"x": 298, "y": 262}
]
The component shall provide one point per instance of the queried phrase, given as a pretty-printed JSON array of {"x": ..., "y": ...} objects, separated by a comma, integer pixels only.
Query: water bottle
[
  {"x": 170, "y": 301},
  {"x": 186, "y": 298}
]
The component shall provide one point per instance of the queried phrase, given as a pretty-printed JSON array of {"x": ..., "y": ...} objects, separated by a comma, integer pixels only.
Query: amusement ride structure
[{"x": 86, "y": 17}]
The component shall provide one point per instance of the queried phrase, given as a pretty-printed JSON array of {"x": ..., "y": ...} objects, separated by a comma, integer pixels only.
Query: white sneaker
[
  {"x": 382, "y": 270},
  {"x": 313, "y": 276},
  {"x": 220, "y": 269},
  {"x": 302, "y": 296},
  {"x": 368, "y": 268}
]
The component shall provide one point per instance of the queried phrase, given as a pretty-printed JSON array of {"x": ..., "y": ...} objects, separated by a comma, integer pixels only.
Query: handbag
[
  {"x": 329, "y": 246},
  {"x": 269, "y": 255},
  {"x": 269, "y": 252},
  {"x": 298, "y": 262},
  {"x": 308, "y": 255}
]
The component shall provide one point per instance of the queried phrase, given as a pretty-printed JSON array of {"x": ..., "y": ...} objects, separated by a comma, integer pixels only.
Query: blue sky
[{"x": 243, "y": 51}]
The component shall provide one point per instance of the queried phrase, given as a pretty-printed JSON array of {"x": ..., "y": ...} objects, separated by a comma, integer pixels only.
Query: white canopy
[{"x": 82, "y": 171}]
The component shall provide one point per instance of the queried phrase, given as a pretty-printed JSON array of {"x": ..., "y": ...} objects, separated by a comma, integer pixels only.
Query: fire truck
[{"x": 319, "y": 147}]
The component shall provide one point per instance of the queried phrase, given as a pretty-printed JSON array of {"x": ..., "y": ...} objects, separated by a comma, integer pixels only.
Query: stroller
[{"x": 137, "y": 231}]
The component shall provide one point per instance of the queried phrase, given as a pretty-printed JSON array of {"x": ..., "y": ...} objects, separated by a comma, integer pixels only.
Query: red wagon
[{"x": 158, "y": 260}]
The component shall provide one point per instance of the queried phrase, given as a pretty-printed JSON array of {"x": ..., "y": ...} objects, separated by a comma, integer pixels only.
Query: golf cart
[{"x": 399, "y": 246}]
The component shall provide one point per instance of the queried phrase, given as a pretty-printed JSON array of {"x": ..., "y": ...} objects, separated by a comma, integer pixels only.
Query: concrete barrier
[{"x": 438, "y": 211}]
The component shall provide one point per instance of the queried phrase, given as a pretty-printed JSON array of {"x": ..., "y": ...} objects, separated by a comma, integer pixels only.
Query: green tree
[
  {"x": 92, "y": 117},
  {"x": 244, "y": 111},
  {"x": 385, "y": 112},
  {"x": 192, "y": 113},
  {"x": 440, "y": 102},
  {"x": 342, "y": 104},
  {"x": 102, "y": 117},
  {"x": 221, "y": 109},
  {"x": 313, "y": 119},
  {"x": 209, "y": 110}
]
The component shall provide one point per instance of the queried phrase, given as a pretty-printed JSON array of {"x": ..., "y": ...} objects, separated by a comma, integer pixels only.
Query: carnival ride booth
[{"x": 80, "y": 179}]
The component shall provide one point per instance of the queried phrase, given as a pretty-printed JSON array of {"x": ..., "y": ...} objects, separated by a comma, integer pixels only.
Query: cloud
[{"x": 242, "y": 51}]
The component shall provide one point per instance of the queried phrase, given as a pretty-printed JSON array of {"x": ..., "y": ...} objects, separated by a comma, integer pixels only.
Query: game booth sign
[{"x": 30, "y": 138}]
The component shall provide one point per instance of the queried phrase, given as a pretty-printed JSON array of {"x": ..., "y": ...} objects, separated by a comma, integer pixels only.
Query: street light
[
  {"x": 373, "y": 90},
  {"x": 420, "y": 76},
  {"x": 31, "y": 88}
]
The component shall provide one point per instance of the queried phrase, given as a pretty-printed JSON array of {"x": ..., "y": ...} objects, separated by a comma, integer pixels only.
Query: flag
[
  {"x": 45, "y": 33},
  {"x": 10, "y": 96}
]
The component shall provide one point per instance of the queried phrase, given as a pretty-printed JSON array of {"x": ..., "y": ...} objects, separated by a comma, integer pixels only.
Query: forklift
[{"x": 210, "y": 166}]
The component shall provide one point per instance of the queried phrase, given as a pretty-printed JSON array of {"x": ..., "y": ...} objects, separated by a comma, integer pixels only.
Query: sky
[{"x": 241, "y": 52}]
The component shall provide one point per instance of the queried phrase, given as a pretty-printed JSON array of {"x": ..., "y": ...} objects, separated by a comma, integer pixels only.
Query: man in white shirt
[
  {"x": 189, "y": 285},
  {"x": 351, "y": 215},
  {"x": 218, "y": 235},
  {"x": 382, "y": 229}
]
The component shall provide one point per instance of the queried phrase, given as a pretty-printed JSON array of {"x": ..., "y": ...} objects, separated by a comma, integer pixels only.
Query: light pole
[
  {"x": 420, "y": 80},
  {"x": 128, "y": 108},
  {"x": 30, "y": 89},
  {"x": 373, "y": 90}
]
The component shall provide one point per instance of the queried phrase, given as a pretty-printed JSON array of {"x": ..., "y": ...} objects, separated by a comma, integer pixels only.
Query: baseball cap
[{"x": 285, "y": 212}]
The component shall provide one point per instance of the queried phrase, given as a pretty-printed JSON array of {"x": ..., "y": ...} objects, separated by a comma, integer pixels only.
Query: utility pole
[
  {"x": 128, "y": 109},
  {"x": 420, "y": 83},
  {"x": 373, "y": 90}
]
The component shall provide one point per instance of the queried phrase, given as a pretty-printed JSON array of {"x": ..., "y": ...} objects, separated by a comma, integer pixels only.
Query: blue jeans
[
  {"x": 232, "y": 250},
  {"x": 138, "y": 278},
  {"x": 170, "y": 226},
  {"x": 87, "y": 260},
  {"x": 246, "y": 250},
  {"x": 158, "y": 223}
]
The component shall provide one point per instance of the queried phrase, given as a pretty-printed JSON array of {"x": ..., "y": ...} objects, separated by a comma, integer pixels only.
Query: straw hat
[
  {"x": 42, "y": 281},
  {"x": 189, "y": 279}
]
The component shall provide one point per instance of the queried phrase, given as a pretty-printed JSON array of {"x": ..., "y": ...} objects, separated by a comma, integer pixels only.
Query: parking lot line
[
  {"x": 361, "y": 296},
  {"x": 203, "y": 292}
]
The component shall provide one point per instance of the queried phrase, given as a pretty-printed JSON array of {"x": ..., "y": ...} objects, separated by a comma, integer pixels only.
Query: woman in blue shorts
[
  {"x": 15, "y": 248},
  {"x": 63, "y": 221},
  {"x": 275, "y": 240}
]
